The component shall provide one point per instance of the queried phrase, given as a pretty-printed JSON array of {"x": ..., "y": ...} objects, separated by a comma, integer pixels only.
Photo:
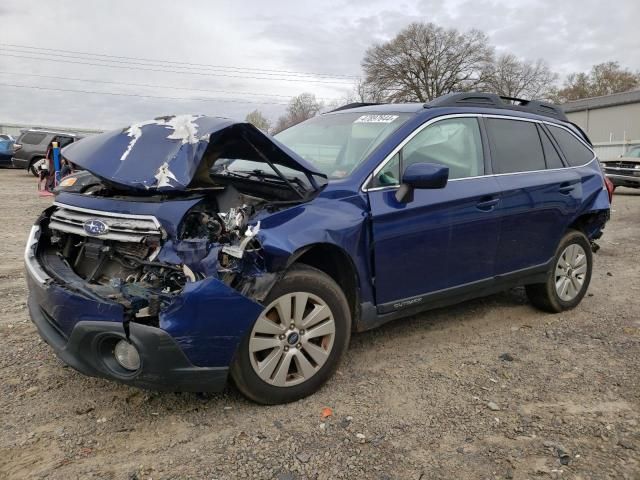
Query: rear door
[
  {"x": 539, "y": 195},
  {"x": 444, "y": 238},
  {"x": 32, "y": 144}
]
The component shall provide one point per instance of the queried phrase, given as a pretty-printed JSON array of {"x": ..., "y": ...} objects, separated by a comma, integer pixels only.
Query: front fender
[{"x": 342, "y": 223}]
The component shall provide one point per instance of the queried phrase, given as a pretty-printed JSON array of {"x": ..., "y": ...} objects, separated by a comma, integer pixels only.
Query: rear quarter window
[
  {"x": 32, "y": 138},
  {"x": 515, "y": 146},
  {"x": 575, "y": 152},
  {"x": 63, "y": 141},
  {"x": 550, "y": 153}
]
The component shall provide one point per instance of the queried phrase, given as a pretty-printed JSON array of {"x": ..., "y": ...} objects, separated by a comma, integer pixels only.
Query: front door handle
[{"x": 487, "y": 204}]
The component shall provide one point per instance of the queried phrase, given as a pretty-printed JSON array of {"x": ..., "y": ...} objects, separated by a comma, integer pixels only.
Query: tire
[
  {"x": 302, "y": 364},
  {"x": 32, "y": 166},
  {"x": 569, "y": 277}
]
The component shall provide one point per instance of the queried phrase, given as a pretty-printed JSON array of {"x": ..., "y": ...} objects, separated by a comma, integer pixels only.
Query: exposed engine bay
[
  {"x": 227, "y": 175},
  {"x": 132, "y": 260}
]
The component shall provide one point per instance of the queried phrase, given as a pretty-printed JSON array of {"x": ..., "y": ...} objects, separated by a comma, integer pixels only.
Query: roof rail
[
  {"x": 353, "y": 105},
  {"x": 492, "y": 100}
]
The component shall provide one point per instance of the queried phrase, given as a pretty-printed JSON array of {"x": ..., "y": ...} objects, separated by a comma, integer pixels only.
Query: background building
[{"x": 612, "y": 121}]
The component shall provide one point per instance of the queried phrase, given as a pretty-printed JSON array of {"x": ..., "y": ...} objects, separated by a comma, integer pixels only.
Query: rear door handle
[
  {"x": 566, "y": 188},
  {"x": 487, "y": 204}
]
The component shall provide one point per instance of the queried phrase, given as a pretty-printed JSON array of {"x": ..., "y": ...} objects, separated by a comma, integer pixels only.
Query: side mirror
[{"x": 421, "y": 175}]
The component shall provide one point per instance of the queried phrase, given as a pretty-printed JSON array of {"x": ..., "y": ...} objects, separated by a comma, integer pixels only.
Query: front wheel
[
  {"x": 569, "y": 277},
  {"x": 297, "y": 341},
  {"x": 36, "y": 166}
]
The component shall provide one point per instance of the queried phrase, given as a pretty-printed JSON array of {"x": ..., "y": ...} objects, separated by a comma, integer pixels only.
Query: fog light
[{"x": 127, "y": 355}]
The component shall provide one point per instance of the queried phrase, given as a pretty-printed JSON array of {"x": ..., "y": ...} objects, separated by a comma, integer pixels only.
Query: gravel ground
[{"x": 488, "y": 389}]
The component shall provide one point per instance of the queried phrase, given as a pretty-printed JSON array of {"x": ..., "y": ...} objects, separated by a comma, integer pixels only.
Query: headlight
[
  {"x": 68, "y": 181},
  {"x": 127, "y": 355}
]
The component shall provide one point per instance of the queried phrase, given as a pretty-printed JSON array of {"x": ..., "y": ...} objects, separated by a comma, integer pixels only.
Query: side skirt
[{"x": 372, "y": 316}]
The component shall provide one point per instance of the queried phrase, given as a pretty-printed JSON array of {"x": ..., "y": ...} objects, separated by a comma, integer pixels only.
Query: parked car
[
  {"x": 195, "y": 248},
  {"x": 31, "y": 147},
  {"x": 6, "y": 149},
  {"x": 625, "y": 171}
]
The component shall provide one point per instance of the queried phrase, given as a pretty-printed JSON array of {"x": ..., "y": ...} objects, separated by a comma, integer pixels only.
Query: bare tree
[
  {"x": 603, "y": 79},
  {"x": 300, "y": 108},
  {"x": 511, "y": 77},
  {"x": 258, "y": 120},
  {"x": 425, "y": 61},
  {"x": 364, "y": 92}
]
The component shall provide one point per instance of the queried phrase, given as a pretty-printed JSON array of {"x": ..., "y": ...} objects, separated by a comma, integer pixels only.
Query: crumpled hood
[{"x": 165, "y": 154}]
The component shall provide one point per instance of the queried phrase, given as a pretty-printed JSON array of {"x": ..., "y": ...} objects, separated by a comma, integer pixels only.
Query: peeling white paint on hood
[
  {"x": 183, "y": 128},
  {"x": 135, "y": 132},
  {"x": 164, "y": 175}
]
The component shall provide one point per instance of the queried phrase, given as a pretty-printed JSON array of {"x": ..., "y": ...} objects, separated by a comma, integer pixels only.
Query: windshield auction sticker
[{"x": 376, "y": 119}]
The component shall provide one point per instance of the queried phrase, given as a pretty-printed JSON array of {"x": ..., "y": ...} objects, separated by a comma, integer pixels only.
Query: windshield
[
  {"x": 335, "y": 144},
  {"x": 634, "y": 153}
]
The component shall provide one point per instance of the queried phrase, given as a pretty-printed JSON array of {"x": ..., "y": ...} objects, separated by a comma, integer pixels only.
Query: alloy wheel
[
  {"x": 292, "y": 339},
  {"x": 571, "y": 271}
]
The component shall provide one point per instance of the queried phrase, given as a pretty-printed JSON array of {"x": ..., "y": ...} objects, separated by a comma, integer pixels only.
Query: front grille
[
  {"x": 121, "y": 228},
  {"x": 620, "y": 165}
]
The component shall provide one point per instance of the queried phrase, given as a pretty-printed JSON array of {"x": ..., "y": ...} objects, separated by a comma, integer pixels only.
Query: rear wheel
[
  {"x": 568, "y": 280},
  {"x": 297, "y": 341}
]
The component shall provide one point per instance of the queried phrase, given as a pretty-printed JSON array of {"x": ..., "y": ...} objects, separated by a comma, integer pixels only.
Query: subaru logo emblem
[{"x": 95, "y": 227}]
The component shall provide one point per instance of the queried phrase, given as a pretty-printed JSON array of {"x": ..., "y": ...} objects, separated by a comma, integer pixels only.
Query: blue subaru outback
[{"x": 193, "y": 248}]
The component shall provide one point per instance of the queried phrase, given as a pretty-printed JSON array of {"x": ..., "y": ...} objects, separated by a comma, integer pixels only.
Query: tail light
[{"x": 609, "y": 184}]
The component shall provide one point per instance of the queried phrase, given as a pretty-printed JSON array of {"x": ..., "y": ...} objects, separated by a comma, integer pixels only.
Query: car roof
[
  {"x": 466, "y": 100},
  {"x": 472, "y": 102},
  {"x": 381, "y": 108},
  {"x": 385, "y": 108}
]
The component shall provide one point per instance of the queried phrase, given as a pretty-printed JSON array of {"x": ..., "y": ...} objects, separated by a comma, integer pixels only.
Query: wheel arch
[
  {"x": 590, "y": 223},
  {"x": 338, "y": 264},
  {"x": 34, "y": 158}
]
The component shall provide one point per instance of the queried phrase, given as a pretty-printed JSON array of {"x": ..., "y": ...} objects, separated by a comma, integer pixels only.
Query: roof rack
[
  {"x": 492, "y": 100},
  {"x": 353, "y": 105}
]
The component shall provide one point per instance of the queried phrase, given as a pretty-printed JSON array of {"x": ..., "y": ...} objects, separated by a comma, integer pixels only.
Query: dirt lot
[{"x": 432, "y": 396}]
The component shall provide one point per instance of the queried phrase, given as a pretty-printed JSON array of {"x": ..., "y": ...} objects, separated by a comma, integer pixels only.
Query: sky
[{"x": 107, "y": 64}]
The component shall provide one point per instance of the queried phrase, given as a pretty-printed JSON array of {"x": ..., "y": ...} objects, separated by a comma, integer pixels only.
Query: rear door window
[
  {"x": 550, "y": 153},
  {"x": 576, "y": 152},
  {"x": 515, "y": 146},
  {"x": 32, "y": 138}
]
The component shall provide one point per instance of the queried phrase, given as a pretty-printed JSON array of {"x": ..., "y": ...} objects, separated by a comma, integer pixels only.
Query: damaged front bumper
[
  {"x": 190, "y": 350},
  {"x": 164, "y": 366}
]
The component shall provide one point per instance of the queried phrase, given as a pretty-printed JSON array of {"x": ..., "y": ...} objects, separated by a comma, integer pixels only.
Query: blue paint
[
  {"x": 209, "y": 336},
  {"x": 440, "y": 239},
  {"x": 128, "y": 162},
  {"x": 473, "y": 229}
]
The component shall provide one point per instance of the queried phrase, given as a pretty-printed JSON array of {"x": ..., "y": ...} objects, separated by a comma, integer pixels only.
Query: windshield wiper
[
  {"x": 271, "y": 176},
  {"x": 230, "y": 173},
  {"x": 262, "y": 175}
]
